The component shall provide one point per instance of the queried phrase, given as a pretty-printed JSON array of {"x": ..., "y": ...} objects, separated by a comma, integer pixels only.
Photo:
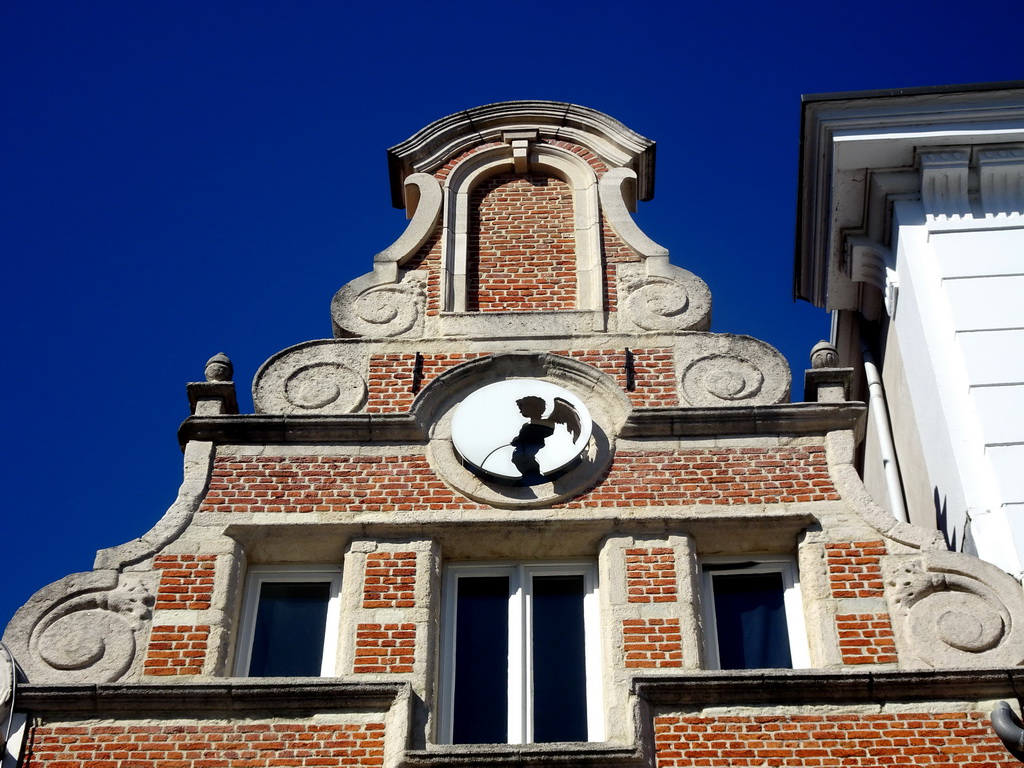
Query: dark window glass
[
  {"x": 288, "y": 639},
  {"x": 480, "y": 709},
  {"x": 559, "y": 660},
  {"x": 751, "y": 621}
]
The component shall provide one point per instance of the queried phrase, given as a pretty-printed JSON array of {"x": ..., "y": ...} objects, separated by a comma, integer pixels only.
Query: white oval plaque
[{"x": 521, "y": 429}]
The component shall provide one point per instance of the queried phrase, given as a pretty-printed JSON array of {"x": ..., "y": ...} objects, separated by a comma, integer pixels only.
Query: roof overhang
[{"x": 846, "y": 138}]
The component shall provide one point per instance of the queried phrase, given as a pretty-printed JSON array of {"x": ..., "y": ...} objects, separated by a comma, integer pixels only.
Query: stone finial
[
  {"x": 824, "y": 355},
  {"x": 219, "y": 368}
]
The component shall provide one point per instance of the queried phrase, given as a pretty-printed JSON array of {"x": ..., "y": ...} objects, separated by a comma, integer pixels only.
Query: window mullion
[{"x": 518, "y": 658}]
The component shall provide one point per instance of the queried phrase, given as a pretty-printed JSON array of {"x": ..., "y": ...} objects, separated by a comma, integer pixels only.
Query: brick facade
[
  {"x": 176, "y": 650},
  {"x": 306, "y": 484},
  {"x": 849, "y": 740},
  {"x": 866, "y": 638},
  {"x": 854, "y": 568},
  {"x": 651, "y": 575},
  {"x": 390, "y": 580},
  {"x": 390, "y": 386},
  {"x": 240, "y": 744},
  {"x": 385, "y": 647},
  {"x": 522, "y": 245},
  {"x": 186, "y": 581},
  {"x": 652, "y": 643}
]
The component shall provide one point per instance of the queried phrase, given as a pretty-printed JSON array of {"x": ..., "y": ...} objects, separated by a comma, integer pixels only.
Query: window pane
[
  {"x": 751, "y": 621},
  {"x": 290, "y": 623},
  {"x": 480, "y": 709},
  {"x": 559, "y": 660}
]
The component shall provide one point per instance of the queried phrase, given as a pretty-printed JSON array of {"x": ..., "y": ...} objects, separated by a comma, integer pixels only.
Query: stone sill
[
  {"x": 777, "y": 687},
  {"x": 295, "y": 696},
  {"x": 569, "y": 754}
]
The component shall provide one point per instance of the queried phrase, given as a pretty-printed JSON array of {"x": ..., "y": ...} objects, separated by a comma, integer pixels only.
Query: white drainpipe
[{"x": 880, "y": 417}]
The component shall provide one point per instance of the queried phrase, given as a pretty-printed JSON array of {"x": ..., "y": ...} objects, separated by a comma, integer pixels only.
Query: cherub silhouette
[{"x": 535, "y": 432}]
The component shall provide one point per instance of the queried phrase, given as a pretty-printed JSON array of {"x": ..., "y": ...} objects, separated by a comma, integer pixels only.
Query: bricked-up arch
[
  {"x": 582, "y": 255},
  {"x": 521, "y": 246}
]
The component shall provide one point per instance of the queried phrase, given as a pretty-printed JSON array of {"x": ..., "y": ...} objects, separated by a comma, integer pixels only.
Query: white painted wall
[{"x": 960, "y": 325}]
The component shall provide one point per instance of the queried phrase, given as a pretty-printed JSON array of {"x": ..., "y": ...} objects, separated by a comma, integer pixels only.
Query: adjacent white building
[{"x": 911, "y": 231}]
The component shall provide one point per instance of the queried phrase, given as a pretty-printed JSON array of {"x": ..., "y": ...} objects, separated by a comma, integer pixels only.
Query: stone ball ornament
[{"x": 521, "y": 431}]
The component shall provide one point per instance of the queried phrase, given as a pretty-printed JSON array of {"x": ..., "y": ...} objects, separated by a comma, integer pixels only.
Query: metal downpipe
[{"x": 880, "y": 417}]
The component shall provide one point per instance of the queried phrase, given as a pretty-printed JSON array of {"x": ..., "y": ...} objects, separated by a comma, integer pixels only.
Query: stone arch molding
[
  {"x": 521, "y": 155},
  {"x": 435, "y": 406}
]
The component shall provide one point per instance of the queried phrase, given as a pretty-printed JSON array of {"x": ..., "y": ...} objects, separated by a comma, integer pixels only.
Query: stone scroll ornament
[
  {"x": 674, "y": 301},
  {"x": 956, "y": 610},
  {"x": 732, "y": 370},
  {"x": 380, "y": 311},
  {"x": 390, "y": 302},
  {"x": 91, "y": 637},
  {"x": 316, "y": 377}
]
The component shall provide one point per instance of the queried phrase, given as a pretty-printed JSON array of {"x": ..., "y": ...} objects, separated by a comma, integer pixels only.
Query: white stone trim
[{"x": 556, "y": 161}]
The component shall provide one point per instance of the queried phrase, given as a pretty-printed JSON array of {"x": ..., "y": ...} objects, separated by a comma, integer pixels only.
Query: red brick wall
[
  {"x": 854, "y": 568},
  {"x": 716, "y": 476},
  {"x": 651, "y": 643},
  {"x": 427, "y": 260},
  {"x": 176, "y": 650},
  {"x": 385, "y": 647},
  {"x": 654, "y": 372},
  {"x": 186, "y": 581},
  {"x": 852, "y": 741},
  {"x": 521, "y": 253},
  {"x": 390, "y": 580},
  {"x": 389, "y": 386},
  {"x": 305, "y": 484},
  {"x": 651, "y": 575},
  {"x": 390, "y": 380},
  {"x": 866, "y": 638},
  {"x": 241, "y": 744}
]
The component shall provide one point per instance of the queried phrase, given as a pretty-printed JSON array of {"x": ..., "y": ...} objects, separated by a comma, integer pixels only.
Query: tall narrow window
[
  {"x": 289, "y": 623},
  {"x": 753, "y": 617},
  {"x": 520, "y": 654}
]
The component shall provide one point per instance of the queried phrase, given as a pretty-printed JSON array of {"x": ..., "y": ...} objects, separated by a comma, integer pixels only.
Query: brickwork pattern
[
  {"x": 428, "y": 259},
  {"x": 176, "y": 650},
  {"x": 389, "y": 385},
  {"x": 241, "y": 744},
  {"x": 866, "y": 638},
  {"x": 651, "y": 575},
  {"x": 311, "y": 484},
  {"x": 854, "y": 568},
  {"x": 385, "y": 647},
  {"x": 652, "y": 643},
  {"x": 390, "y": 580},
  {"x": 852, "y": 741},
  {"x": 716, "y": 476},
  {"x": 186, "y": 581},
  {"x": 521, "y": 253},
  {"x": 653, "y": 370},
  {"x": 390, "y": 380}
]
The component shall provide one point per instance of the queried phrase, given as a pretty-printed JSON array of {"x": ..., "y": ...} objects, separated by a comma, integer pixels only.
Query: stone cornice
[
  {"x": 790, "y": 419},
  {"x": 798, "y": 687},
  {"x": 430, "y": 147},
  {"x": 291, "y": 695}
]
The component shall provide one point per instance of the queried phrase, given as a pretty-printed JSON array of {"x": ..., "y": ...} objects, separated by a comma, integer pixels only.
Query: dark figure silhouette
[{"x": 531, "y": 437}]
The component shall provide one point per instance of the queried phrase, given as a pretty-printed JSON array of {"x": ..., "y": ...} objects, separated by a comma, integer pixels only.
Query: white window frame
[
  {"x": 791, "y": 599},
  {"x": 520, "y": 704},
  {"x": 261, "y": 575}
]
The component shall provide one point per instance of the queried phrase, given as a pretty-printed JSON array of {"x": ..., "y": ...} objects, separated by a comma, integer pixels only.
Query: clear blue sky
[{"x": 180, "y": 179}]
